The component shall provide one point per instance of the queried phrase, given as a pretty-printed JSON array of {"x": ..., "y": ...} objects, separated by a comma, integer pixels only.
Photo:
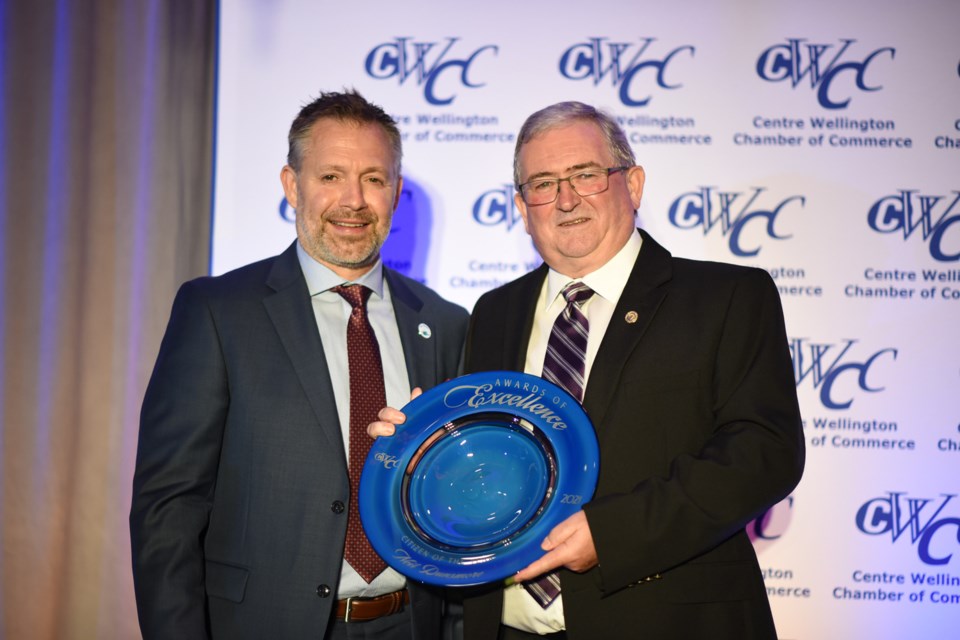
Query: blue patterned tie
[{"x": 564, "y": 365}]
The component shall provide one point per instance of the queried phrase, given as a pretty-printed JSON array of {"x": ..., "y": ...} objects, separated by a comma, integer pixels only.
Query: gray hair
[{"x": 566, "y": 113}]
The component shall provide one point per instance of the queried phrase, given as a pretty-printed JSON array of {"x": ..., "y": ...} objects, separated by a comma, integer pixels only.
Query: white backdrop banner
[{"x": 817, "y": 140}]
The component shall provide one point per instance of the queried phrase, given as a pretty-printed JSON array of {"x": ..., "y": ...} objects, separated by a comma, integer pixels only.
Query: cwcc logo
[
  {"x": 427, "y": 62},
  {"x": 896, "y": 514},
  {"x": 797, "y": 60},
  {"x": 824, "y": 364},
  {"x": 907, "y": 210},
  {"x": 709, "y": 206},
  {"x": 597, "y": 59},
  {"x": 496, "y": 206}
]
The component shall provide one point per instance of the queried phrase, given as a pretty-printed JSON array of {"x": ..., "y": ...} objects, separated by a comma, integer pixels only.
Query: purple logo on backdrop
[
  {"x": 496, "y": 206},
  {"x": 772, "y": 523},
  {"x": 428, "y": 63},
  {"x": 825, "y": 365},
  {"x": 770, "y": 526},
  {"x": 732, "y": 210},
  {"x": 896, "y": 514},
  {"x": 935, "y": 215},
  {"x": 623, "y": 62},
  {"x": 822, "y": 64}
]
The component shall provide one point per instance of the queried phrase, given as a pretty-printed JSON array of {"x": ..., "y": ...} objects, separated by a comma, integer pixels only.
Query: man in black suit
[
  {"x": 688, "y": 383},
  {"x": 241, "y": 495}
]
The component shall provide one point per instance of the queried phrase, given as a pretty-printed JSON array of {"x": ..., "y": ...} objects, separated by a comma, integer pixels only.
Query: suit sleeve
[
  {"x": 751, "y": 457},
  {"x": 181, "y": 429}
]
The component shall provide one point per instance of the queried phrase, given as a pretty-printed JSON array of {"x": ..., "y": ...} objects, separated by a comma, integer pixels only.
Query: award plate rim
[{"x": 555, "y": 416}]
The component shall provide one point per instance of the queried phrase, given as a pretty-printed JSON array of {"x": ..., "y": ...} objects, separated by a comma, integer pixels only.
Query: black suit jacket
[
  {"x": 236, "y": 524},
  {"x": 694, "y": 403}
]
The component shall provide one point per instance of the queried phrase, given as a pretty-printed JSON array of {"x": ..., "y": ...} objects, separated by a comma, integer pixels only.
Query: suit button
[
  {"x": 337, "y": 506},
  {"x": 323, "y": 591}
]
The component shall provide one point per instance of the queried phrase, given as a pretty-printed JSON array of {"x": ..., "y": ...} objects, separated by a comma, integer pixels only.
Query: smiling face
[
  {"x": 574, "y": 234},
  {"x": 344, "y": 194}
]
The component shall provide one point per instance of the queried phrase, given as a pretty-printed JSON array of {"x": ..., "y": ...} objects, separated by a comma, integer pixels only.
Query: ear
[
  {"x": 397, "y": 194},
  {"x": 288, "y": 178},
  {"x": 522, "y": 206},
  {"x": 635, "y": 180}
]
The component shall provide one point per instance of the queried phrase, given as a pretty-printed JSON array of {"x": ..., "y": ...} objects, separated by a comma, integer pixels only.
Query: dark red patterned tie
[
  {"x": 367, "y": 397},
  {"x": 564, "y": 365}
]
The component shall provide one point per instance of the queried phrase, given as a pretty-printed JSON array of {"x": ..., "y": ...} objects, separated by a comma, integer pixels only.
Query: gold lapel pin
[{"x": 631, "y": 317}]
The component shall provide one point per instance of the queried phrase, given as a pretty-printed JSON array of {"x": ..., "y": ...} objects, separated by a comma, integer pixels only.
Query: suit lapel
[
  {"x": 522, "y": 305},
  {"x": 640, "y": 299},
  {"x": 291, "y": 312},
  {"x": 419, "y": 350}
]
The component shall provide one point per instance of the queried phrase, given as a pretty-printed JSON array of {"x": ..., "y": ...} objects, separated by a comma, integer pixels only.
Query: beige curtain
[{"x": 105, "y": 186}]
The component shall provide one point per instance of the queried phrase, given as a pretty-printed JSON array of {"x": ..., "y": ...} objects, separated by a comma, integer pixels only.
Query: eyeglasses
[{"x": 585, "y": 183}]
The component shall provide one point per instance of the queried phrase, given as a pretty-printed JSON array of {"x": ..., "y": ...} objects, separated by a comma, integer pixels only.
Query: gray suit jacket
[{"x": 237, "y": 525}]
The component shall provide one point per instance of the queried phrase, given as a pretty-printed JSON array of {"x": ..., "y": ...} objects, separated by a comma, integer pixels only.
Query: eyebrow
[
  {"x": 337, "y": 168},
  {"x": 570, "y": 170}
]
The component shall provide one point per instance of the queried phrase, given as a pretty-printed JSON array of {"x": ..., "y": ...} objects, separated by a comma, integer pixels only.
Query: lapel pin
[
  {"x": 631, "y": 317},
  {"x": 424, "y": 330}
]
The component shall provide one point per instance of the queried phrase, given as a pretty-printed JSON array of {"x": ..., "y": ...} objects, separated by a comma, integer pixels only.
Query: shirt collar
[
  {"x": 608, "y": 281},
  {"x": 321, "y": 278}
]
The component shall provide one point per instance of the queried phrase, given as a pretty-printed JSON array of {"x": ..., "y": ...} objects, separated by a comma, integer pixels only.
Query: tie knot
[
  {"x": 576, "y": 293},
  {"x": 355, "y": 294}
]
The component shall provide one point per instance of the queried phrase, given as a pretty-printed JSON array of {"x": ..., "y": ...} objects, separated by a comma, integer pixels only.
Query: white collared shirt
[
  {"x": 520, "y": 610},
  {"x": 332, "y": 312}
]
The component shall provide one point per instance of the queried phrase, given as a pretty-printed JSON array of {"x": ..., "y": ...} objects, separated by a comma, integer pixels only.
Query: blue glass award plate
[{"x": 470, "y": 485}]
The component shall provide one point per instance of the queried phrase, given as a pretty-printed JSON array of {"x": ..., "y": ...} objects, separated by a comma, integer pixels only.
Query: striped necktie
[
  {"x": 567, "y": 348},
  {"x": 564, "y": 365}
]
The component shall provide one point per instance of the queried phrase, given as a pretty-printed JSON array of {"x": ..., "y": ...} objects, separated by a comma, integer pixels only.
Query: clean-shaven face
[{"x": 576, "y": 234}]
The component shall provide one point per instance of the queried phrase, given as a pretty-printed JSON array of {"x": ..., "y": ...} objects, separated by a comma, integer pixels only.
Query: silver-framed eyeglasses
[{"x": 584, "y": 183}]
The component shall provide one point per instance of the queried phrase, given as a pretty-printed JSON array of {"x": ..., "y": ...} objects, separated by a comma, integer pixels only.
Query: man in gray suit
[{"x": 241, "y": 495}]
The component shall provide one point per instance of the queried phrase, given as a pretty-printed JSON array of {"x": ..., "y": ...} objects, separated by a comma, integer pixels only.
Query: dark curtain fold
[{"x": 106, "y": 130}]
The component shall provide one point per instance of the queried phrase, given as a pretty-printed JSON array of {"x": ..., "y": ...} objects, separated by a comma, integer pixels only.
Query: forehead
[
  {"x": 331, "y": 139},
  {"x": 564, "y": 148}
]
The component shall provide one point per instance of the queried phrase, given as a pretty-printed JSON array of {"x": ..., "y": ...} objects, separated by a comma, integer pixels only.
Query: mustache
[{"x": 348, "y": 215}]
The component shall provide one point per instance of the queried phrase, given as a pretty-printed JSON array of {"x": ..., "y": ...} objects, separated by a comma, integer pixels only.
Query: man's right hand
[{"x": 389, "y": 419}]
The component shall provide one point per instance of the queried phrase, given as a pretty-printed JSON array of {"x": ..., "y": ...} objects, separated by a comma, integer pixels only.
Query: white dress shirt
[{"x": 520, "y": 610}]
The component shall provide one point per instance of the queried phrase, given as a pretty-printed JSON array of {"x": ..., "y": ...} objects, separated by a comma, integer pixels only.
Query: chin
[{"x": 577, "y": 249}]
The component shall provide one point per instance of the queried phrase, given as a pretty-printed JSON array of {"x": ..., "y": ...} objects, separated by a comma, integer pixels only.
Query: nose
[
  {"x": 351, "y": 195},
  {"x": 567, "y": 198}
]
